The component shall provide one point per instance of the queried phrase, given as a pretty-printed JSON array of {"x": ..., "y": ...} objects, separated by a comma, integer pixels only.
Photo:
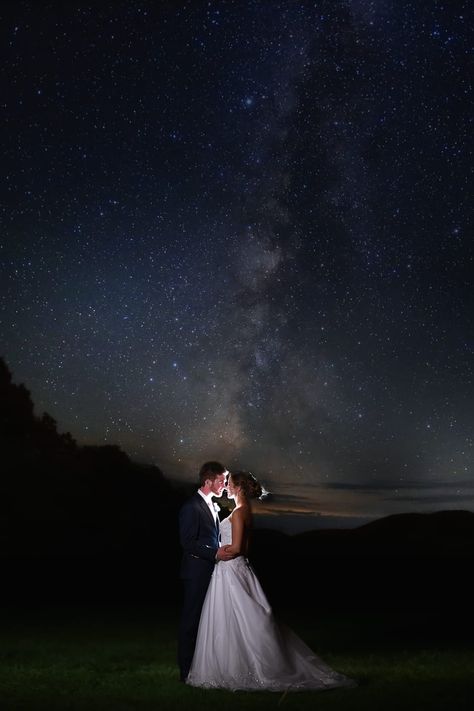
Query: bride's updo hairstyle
[{"x": 250, "y": 486}]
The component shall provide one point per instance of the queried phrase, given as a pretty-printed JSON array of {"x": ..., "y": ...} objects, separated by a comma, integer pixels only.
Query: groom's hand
[{"x": 224, "y": 554}]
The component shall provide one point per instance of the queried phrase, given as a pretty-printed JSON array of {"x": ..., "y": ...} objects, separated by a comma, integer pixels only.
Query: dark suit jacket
[{"x": 199, "y": 538}]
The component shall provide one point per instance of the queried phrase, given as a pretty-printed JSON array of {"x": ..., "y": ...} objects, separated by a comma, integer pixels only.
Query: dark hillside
[
  {"x": 422, "y": 560},
  {"x": 87, "y": 524}
]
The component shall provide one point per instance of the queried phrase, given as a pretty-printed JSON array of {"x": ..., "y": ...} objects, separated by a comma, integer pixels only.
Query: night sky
[{"x": 241, "y": 231}]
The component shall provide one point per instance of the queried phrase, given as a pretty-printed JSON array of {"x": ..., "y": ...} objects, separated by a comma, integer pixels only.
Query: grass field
[{"x": 123, "y": 659}]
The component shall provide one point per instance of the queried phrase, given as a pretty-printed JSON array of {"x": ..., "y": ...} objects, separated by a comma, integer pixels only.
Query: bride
[{"x": 240, "y": 645}]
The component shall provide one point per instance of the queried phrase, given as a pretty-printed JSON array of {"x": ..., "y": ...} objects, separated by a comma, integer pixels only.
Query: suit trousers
[{"x": 194, "y": 594}]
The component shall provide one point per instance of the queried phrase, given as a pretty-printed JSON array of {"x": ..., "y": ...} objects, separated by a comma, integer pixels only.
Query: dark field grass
[{"x": 123, "y": 659}]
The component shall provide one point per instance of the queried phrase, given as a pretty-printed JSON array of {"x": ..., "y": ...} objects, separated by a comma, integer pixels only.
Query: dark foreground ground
[
  {"x": 122, "y": 658},
  {"x": 99, "y": 634}
]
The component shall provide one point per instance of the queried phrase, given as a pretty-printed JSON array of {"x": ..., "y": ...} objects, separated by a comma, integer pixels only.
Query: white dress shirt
[{"x": 210, "y": 503}]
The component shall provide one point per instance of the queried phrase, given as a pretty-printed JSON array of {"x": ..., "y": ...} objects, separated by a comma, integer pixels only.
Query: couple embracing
[{"x": 228, "y": 636}]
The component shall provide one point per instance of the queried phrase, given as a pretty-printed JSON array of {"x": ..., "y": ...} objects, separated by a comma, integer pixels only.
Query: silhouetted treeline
[{"x": 59, "y": 498}]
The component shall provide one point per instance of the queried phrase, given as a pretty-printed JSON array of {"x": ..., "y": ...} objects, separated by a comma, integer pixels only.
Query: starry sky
[{"x": 241, "y": 231}]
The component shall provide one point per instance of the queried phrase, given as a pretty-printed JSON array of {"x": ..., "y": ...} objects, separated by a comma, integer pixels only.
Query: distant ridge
[
  {"x": 457, "y": 521},
  {"x": 439, "y": 533},
  {"x": 445, "y": 533},
  {"x": 404, "y": 561}
]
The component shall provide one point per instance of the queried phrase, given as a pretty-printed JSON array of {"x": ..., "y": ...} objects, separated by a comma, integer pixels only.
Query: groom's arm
[
  {"x": 189, "y": 527},
  {"x": 224, "y": 553}
]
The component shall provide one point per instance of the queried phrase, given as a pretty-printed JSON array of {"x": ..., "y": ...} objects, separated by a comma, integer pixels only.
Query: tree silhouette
[
  {"x": 59, "y": 498},
  {"x": 16, "y": 406}
]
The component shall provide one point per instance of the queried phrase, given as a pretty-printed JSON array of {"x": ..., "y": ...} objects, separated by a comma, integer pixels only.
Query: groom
[{"x": 199, "y": 536}]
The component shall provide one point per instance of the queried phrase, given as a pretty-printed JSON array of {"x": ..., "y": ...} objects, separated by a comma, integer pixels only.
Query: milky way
[{"x": 241, "y": 230}]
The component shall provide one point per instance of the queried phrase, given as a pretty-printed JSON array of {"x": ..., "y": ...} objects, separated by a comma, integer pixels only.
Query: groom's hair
[{"x": 210, "y": 470}]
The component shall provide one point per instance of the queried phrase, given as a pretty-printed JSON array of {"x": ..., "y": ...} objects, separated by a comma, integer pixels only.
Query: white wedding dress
[{"x": 240, "y": 645}]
